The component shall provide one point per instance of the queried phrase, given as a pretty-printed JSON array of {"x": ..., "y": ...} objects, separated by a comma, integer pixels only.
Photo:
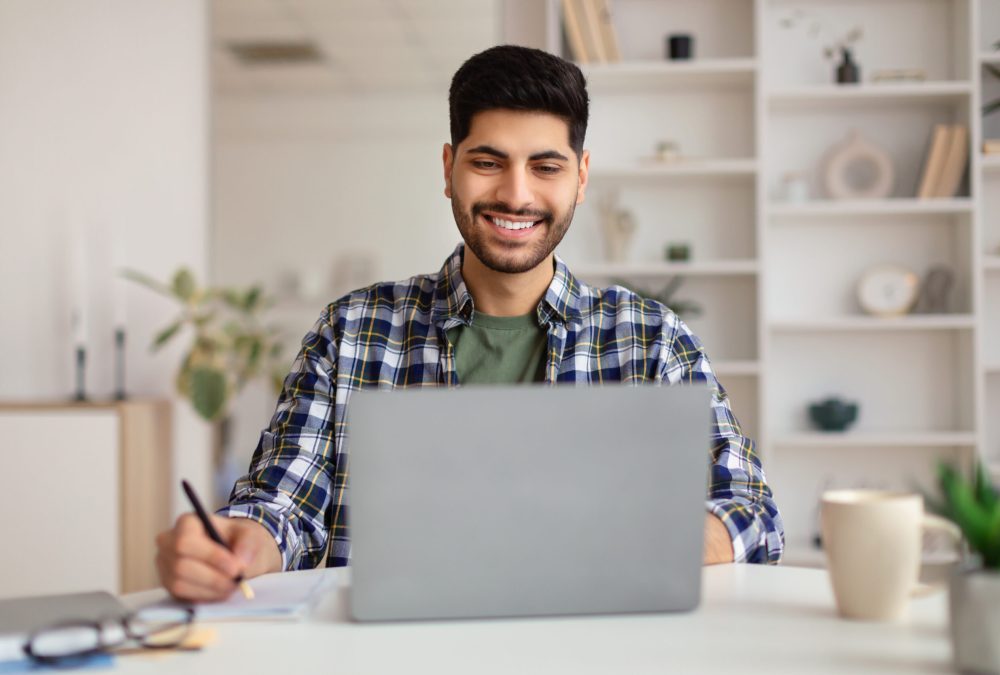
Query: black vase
[
  {"x": 680, "y": 47},
  {"x": 848, "y": 72}
]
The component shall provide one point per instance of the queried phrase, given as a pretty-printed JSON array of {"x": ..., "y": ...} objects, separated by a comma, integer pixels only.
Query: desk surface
[{"x": 752, "y": 619}]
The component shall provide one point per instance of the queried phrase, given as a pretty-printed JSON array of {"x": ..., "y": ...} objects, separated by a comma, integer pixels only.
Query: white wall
[{"x": 103, "y": 128}]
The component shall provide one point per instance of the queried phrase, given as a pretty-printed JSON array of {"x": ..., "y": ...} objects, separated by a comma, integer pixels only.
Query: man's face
[{"x": 514, "y": 183}]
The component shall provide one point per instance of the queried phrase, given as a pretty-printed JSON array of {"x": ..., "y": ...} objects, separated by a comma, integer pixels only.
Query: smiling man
[{"x": 502, "y": 309}]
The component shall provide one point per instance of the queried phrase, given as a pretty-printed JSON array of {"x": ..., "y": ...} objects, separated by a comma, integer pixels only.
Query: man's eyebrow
[{"x": 499, "y": 154}]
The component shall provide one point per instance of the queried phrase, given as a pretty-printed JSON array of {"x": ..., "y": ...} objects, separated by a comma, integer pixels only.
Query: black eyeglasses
[{"x": 150, "y": 627}]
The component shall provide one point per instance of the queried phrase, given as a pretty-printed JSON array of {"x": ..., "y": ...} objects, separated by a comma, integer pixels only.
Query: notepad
[{"x": 282, "y": 595}]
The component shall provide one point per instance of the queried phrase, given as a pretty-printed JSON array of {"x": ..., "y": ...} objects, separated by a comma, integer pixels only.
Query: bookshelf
[{"x": 776, "y": 279}]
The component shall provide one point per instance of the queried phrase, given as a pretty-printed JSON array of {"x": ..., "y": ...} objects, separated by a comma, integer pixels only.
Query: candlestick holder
[
  {"x": 81, "y": 368},
  {"x": 120, "y": 364}
]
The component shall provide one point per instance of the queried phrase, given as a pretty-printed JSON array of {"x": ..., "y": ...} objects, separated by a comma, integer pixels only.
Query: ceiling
[{"x": 367, "y": 45}]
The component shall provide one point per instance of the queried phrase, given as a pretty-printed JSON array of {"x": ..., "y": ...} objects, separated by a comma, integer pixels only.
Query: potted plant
[
  {"x": 974, "y": 591},
  {"x": 231, "y": 345}
]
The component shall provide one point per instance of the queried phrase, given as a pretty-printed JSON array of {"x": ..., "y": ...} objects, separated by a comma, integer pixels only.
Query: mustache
[{"x": 505, "y": 210}]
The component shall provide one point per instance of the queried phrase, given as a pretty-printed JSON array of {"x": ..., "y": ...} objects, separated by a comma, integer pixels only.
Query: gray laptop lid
[{"x": 518, "y": 501}]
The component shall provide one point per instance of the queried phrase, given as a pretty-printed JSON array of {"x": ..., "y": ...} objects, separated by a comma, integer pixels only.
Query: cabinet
[
  {"x": 87, "y": 491},
  {"x": 776, "y": 278}
]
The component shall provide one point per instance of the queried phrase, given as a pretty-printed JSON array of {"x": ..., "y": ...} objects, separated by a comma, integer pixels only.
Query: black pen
[{"x": 213, "y": 533}]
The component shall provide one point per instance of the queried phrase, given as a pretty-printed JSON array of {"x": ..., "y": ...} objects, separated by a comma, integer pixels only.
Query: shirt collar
[{"x": 453, "y": 303}]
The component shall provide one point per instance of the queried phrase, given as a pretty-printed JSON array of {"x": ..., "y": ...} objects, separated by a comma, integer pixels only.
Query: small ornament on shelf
[
  {"x": 888, "y": 290},
  {"x": 618, "y": 226},
  {"x": 680, "y": 47},
  {"x": 795, "y": 187},
  {"x": 833, "y": 414},
  {"x": 935, "y": 291},
  {"x": 856, "y": 168},
  {"x": 667, "y": 151},
  {"x": 678, "y": 251}
]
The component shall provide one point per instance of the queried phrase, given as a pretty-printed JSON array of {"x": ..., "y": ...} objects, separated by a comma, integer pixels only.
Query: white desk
[{"x": 752, "y": 619}]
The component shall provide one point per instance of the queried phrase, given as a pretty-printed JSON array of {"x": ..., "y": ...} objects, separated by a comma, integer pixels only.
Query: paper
[{"x": 283, "y": 595}]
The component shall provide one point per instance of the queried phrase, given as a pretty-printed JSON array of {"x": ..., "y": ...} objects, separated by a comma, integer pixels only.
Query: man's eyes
[{"x": 544, "y": 169}]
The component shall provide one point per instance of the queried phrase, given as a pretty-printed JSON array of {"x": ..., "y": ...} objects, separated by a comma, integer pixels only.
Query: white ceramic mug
[{"x": 873, "y": 541}]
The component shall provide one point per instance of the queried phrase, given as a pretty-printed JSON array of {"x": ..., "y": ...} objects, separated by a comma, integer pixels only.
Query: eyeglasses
[{"x": 150, "y": 627}]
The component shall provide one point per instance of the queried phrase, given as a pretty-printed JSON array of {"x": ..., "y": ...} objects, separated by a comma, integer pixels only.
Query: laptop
[
  {"x": 20, "y": 617},
  {"x": 527, "y": 501}
]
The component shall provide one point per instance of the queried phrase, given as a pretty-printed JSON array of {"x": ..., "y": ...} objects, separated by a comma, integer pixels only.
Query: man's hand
[
  {"x": 193, "y": 567},
  {"x": 718, "y": 544}
]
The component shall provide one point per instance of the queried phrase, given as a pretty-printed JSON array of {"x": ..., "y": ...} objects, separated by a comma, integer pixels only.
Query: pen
[{"x": 213, "y": 533}]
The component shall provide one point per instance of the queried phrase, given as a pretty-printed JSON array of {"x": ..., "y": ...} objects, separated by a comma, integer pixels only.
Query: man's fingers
[{"x": 197, "y": 545}]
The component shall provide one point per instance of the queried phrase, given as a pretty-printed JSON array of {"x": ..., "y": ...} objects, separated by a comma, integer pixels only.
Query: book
[
  {"x": 574, "y": 31},
  {"x": 592, "y": 31},
  {"x": 609, "y": 36},
  {"x": 954, "y": 164},
  {"x": 934, "y": 161}
]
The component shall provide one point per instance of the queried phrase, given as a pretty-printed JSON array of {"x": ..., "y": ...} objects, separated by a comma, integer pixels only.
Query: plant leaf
[
  {"x": 183, "y": 284},
  {"x": 251, "y": 298},
  {"x": 147, "y": 281},
  {"x": 208, "y": 392},
  {"x": 164, "y": 335}
]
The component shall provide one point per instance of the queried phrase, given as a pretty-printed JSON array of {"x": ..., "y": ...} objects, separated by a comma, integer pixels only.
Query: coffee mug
[{"x": 873, "y": 541}]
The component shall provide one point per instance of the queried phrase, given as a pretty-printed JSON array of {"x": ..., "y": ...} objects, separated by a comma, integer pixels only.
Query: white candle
[
  {"x": 118, "y": 283},
  {"x": 78, "y": 278}
]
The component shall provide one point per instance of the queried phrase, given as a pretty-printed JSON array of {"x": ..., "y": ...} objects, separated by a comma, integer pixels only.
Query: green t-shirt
[{"x": 500, "y": 349}]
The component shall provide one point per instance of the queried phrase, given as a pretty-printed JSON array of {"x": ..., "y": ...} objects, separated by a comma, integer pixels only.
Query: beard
[{"x": 510, "y": 257}]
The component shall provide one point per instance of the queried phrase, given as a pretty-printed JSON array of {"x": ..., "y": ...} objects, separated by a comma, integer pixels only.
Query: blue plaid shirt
[{"x": 394, "y": 335}]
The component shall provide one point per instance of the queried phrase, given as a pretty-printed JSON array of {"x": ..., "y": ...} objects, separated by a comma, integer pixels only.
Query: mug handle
[{"x": 932, "y": 523}]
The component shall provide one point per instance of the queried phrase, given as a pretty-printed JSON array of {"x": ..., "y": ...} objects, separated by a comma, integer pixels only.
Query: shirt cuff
[
  {"x": 285, "y": 536},
  {"x": 754, "y": 540}
]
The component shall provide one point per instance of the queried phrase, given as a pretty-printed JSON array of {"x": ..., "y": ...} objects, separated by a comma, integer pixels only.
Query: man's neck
[{"x": 500, "y": 294}]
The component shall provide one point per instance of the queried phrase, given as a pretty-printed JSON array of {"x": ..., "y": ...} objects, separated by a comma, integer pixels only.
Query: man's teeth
[{"x": 512, "y": 224}]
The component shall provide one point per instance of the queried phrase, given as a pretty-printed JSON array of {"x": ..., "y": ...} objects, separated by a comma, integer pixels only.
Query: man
[{"x": 502, "y": 309}]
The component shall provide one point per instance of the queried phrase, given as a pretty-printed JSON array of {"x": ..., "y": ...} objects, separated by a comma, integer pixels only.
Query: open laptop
[{"x": 523, "y": 501}]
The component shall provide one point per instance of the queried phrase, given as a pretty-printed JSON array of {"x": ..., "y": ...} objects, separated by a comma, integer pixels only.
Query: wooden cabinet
[{"x": 87, "y": 489}]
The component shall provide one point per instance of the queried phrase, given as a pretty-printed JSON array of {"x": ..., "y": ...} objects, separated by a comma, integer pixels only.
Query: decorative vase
[
  {"x": 848, "y": 72},
  {"x": 857, "y": 168},
  {"x": 833, "y": 414},
  {"x": 974, "y": 606}
]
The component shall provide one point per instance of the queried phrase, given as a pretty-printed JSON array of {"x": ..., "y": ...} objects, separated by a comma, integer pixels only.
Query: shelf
[
  {"x": 991, "y": 263},
  {"x": 991, "y": 58},
  {"x": 872, "y": 207},
  {"x": 875, "y": 439},
  {"x": 657, "y": 269},
  {"x": 704, "y": 168},
  {"x": 990, "y": 163},
  {"x": 873, "y": 323},
  {"x": 901, "y": 92},
  {"x": 736, "y": 368},
  {"x": 992, "y": 369},
  {"x": 644, "y": 74}
]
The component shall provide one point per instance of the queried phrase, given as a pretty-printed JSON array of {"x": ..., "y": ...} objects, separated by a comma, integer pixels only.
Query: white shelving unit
[{"x": 776, "y": 280}]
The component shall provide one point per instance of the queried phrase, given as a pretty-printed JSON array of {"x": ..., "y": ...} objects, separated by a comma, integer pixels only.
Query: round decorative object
[
  {"x": 888, "y": 290},
  {"x": 858, "y": 169}
]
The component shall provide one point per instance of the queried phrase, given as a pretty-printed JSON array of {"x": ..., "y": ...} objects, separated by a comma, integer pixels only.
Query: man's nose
[{"x": 514, "y": 189}]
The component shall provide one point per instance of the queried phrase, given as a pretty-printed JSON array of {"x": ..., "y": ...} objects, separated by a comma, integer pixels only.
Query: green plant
[
  {"x": 972, "y": 505},
  {"x": 991, "y": 107},
  {"x": 231, "y": 344}
]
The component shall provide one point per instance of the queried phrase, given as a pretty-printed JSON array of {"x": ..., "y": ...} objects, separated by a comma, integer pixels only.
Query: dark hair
[{"x": 518, "y": 78}]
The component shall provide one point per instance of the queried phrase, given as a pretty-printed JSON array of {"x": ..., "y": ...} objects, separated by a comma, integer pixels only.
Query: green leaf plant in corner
[
  {"x": 974, "y": 506},
  {"x": 231, "y": 344}
]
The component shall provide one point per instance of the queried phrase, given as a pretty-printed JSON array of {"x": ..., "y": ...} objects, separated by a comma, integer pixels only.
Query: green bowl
[{"x": 833, "y": 414}]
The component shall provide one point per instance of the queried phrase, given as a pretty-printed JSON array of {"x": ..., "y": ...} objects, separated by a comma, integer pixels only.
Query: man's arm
[
  {"x": 738, "y": 495},
  {"x": 718, "y": 543},
  {"x": 294, "y": 469}
]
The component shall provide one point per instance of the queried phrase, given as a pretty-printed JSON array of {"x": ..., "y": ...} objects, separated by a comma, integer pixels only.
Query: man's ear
[
  {"x": 448, "y": 159},
  {"x": 584, "y": 174}
]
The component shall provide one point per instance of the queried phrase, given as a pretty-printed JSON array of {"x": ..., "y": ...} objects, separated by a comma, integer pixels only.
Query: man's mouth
[{"x": 511, "y": 224}]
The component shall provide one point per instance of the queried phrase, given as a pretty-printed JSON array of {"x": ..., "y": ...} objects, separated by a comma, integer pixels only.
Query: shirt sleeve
[
  {"x": 738, "y": 493},
  {"x": 293, "y": 469}
]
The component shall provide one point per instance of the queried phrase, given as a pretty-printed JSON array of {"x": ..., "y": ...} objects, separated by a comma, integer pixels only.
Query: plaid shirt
[{"x": 393, "y": 335}]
